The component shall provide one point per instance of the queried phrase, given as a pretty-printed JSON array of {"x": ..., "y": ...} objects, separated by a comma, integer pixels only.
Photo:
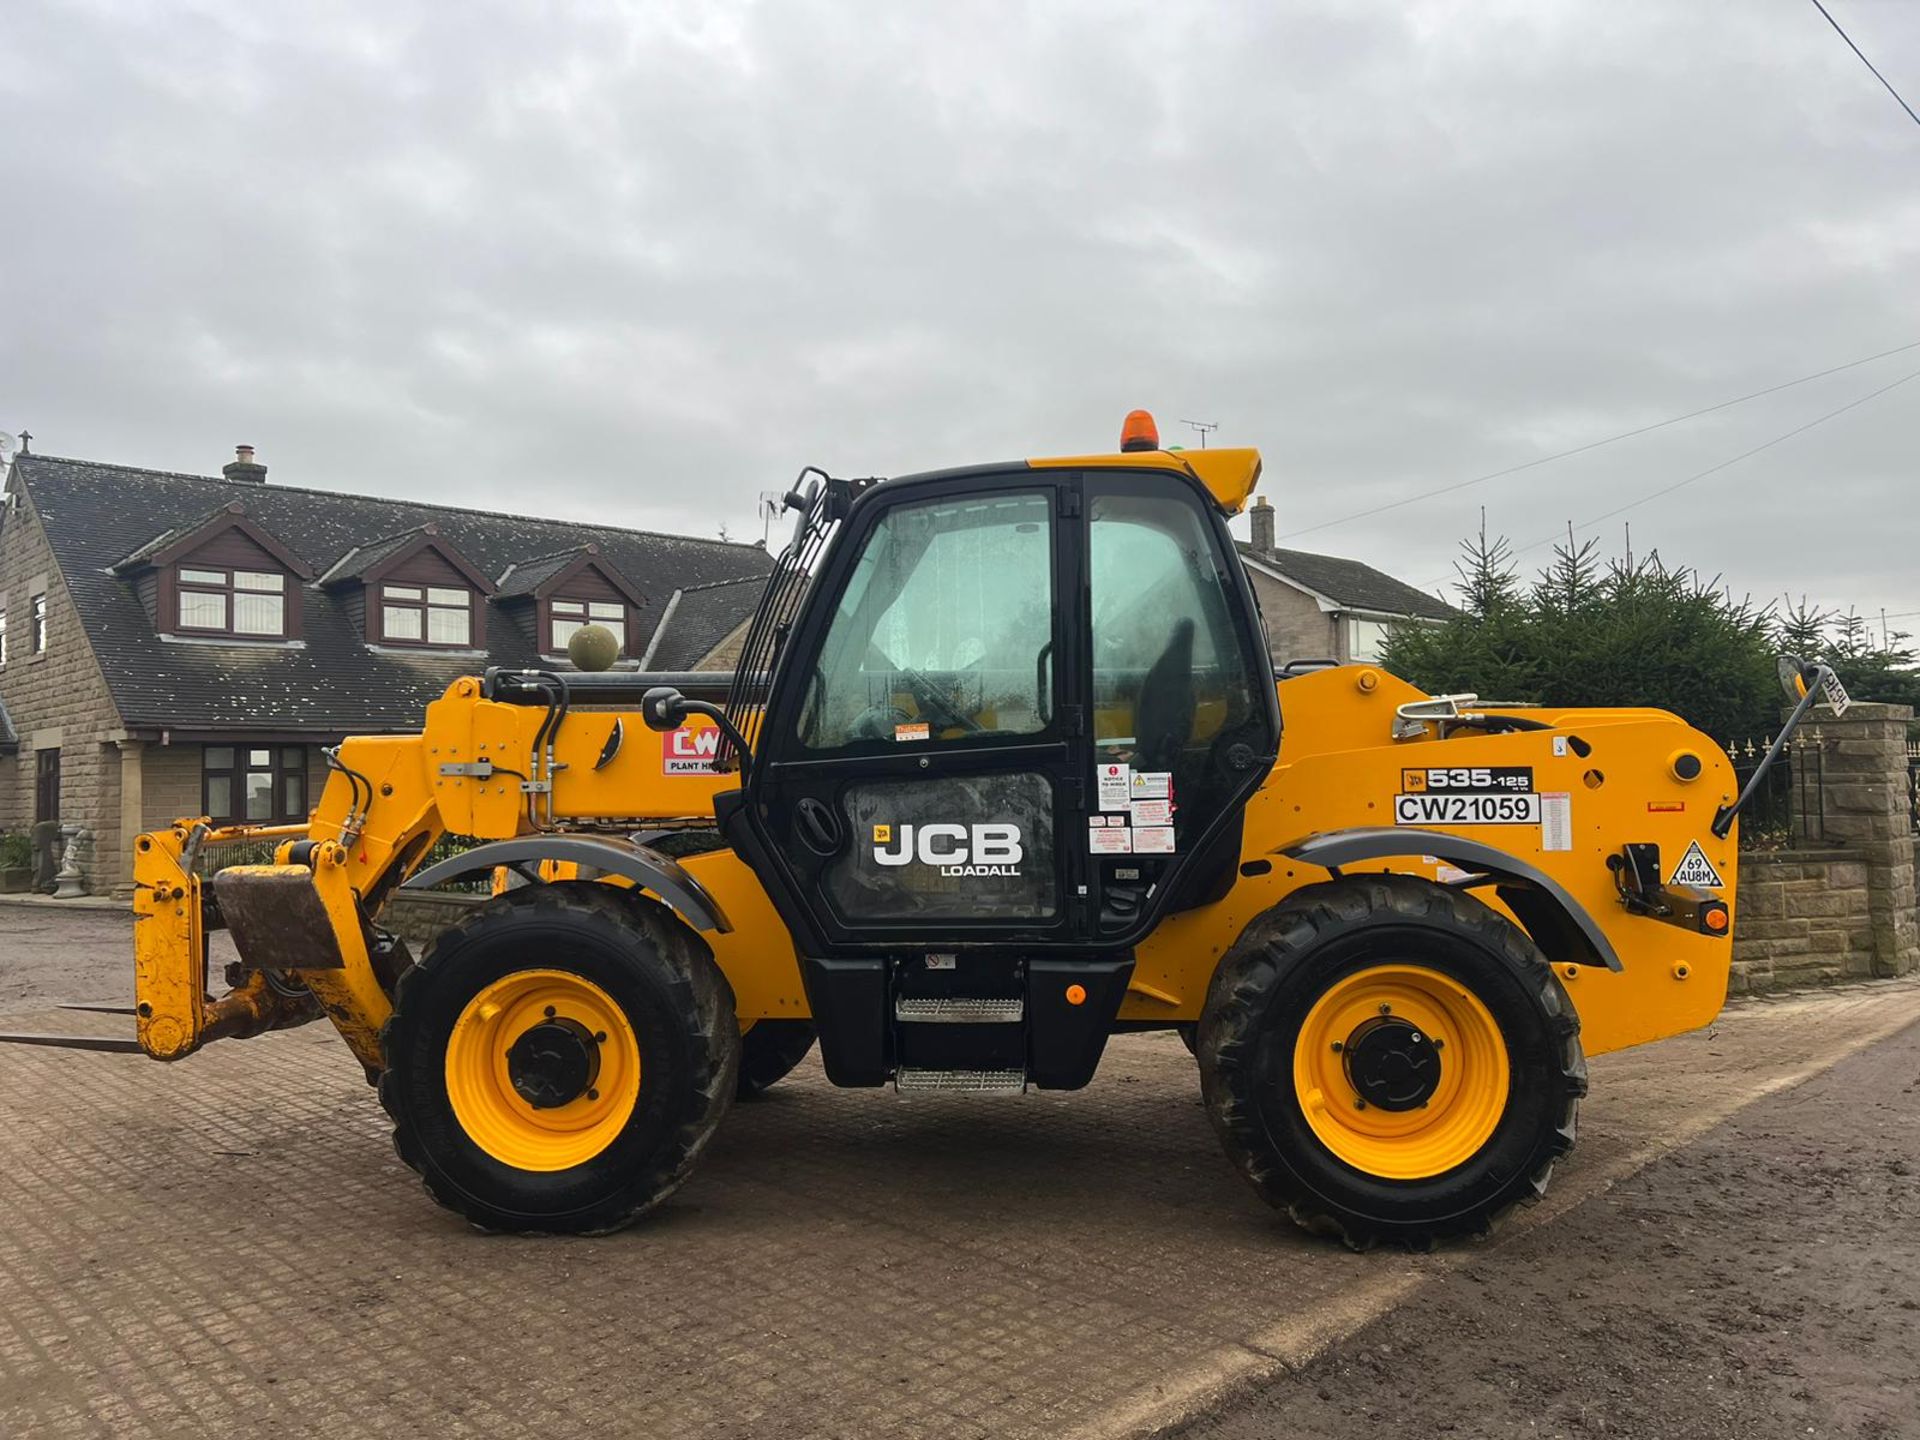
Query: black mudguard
[
  {"x": 1559, "y": 924},
  {"x": 609, "y": 854}
]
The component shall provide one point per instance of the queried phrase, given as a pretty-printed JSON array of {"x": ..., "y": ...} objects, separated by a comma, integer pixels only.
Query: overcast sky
[{"x": 641, "y": 262}]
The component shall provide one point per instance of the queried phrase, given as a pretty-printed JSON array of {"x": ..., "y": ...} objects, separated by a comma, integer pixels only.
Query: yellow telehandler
[{"x": 1004, "y": 768}]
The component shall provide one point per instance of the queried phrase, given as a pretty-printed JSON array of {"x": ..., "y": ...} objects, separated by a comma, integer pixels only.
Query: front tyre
[
  {"x": 559, "y": 1059},
  {"x": 1389, "y": 1059}
]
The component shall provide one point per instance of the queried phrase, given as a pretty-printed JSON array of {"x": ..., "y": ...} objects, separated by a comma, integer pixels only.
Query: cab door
[
  {"x": 919, "y": 765},
  {"x": 1183, "y": 712}
]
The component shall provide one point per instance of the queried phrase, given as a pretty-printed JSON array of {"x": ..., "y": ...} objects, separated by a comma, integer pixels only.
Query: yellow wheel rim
[
  {"x": 1385, "y": 1031},
  {"x": 543, "y": 1013}
]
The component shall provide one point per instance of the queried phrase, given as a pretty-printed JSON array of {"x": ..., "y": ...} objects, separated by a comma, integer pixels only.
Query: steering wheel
[{"x": 933, "y": 703}]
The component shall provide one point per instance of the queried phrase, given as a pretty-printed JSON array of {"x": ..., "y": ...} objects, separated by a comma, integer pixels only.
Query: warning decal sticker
[
  {"x": 1695, "y": 869},
  {"x": 1556, "y": 820},
  {"x": 1151, "y": 785}
]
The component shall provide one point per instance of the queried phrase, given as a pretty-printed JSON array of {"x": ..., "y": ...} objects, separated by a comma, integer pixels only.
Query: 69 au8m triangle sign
[{"x": 1695, "y": 869}]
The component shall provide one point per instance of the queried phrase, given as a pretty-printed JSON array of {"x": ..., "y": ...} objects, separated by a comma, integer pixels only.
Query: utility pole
[{"x": 1202, "y": 428}]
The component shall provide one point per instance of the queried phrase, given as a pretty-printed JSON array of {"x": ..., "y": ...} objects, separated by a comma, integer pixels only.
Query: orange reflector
[
  {"x": 1138, "y": 432},
  {"x": 1076, "y": 994},
  {"x": 1715, "y": 919}
]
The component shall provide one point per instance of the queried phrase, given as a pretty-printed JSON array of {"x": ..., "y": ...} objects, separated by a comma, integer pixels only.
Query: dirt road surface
[
  {"x": 227, "y": 1247},
  {"x": 1763, "y": 1280}
]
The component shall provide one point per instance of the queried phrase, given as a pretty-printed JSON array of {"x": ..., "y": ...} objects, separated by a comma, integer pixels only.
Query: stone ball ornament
[{"x": 593, "y": 647}]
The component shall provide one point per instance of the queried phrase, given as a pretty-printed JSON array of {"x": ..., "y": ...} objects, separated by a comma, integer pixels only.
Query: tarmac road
[{"x": 227, "y": 1247}]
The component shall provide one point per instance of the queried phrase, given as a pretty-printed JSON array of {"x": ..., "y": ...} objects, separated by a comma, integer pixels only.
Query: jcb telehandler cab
[{"x": 1005, "y": 768}]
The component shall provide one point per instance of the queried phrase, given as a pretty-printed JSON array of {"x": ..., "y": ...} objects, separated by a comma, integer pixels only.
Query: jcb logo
[{"x": 988, "y": 849}]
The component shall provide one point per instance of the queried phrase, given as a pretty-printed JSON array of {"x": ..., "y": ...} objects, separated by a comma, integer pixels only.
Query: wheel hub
[
  {"x": 1392, "y": 1064},
  {"x": 553, "y": 1063}
]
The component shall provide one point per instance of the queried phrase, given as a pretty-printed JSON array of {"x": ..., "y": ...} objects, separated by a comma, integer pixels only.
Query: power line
[
  {"x": 1597, "y": 444},
  {"x": 1866, "y": 62},
  {"x": 1723, "y": 465},
  {"x": 1743, "y": 455}
]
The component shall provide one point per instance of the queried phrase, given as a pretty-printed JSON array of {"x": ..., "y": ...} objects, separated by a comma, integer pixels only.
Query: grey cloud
[{"x": 644, "y": 261}]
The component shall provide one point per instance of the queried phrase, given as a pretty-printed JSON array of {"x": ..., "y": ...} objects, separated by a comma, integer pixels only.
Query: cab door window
[
  {"x": 944, "y": 631},
  {"x": 1174, "y": 704}
]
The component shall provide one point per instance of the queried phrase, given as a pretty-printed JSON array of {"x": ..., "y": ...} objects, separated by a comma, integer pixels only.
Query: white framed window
[
  {"x": 571, "y": 615},
  {"x": 259, "y": 603},
  {"x": 3, "y": 637},
  {"x": 37, "y": 625},
  {"x": 249, "y": 603},
  {"x": 1366, "y": 638},
  {"x": 426, "y": 615}
]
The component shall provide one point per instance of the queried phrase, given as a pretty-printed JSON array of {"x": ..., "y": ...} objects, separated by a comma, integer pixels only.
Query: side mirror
[
  {"x": 1795, "y": 677},
  {"x": 664, "y": 708}
]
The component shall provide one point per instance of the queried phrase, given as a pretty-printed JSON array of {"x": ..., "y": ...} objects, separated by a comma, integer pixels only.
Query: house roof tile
[
  {"x": 699, "y": 617},
  {"x": 1350, "y": 584},
  {"x": 97, "y": 515}
]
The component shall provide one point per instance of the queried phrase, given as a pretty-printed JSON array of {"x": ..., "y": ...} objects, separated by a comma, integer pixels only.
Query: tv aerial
[{"x": 772, "y": 505}]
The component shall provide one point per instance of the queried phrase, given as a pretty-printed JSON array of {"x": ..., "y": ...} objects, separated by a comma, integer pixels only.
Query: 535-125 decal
[{"x": 1467, "y": 795}]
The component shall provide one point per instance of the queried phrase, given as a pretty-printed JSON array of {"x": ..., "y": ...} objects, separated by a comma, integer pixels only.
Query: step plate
[
  {"x": 959, "y": 1011},
  {"x": 923, "y": 1081}
]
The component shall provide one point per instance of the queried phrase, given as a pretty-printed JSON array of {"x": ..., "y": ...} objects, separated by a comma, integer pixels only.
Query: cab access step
[{"x": 984, "y": 1021}]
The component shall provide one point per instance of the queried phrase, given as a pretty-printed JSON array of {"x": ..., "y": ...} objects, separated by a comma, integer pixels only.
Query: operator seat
[{"x": 1164, "y": 713}]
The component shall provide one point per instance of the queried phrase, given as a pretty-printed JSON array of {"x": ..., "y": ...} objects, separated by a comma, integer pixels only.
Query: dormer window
[
  {"x": 426, "y": 615},
  {"x": 249, "y": 603},
  {"x": 414, "y": 589},
  {"x": 567, "y": 616},
  {"x": 569, "y": 589},
  {"x": 222, "y": 576}
]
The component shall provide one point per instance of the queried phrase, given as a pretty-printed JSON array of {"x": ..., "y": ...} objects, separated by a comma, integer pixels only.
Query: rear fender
[{"x": 1558, "y": 923}]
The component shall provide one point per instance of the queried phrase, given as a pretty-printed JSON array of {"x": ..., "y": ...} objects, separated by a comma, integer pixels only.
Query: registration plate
[{"x": 1467, "y": 808}]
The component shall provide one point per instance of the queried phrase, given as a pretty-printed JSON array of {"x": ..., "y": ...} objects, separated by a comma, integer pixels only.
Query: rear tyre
[
  {"x": 1388, "y": 1059},
  {"x": 559, "y": 1059},
  {"x": 768, "y": 1053}
]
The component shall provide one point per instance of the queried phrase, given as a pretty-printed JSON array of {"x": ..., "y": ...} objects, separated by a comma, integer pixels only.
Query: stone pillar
[
  {"x": 1864, "y": 807},
  {"x": 118, "y": 869}
]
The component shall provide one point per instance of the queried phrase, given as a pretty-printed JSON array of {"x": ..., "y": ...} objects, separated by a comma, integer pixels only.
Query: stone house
[
  {"x": 1323, "y": 607},
  {"x": 186, "y": 644}
]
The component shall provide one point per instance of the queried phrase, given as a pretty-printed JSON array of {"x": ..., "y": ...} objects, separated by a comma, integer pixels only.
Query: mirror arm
[
  {"x": 665, "y": 708},
  {"x": 1724, "y": 817}
]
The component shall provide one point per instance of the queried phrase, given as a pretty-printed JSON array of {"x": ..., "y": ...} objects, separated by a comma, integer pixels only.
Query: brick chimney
[
  {"x": 1262, "y": 514},
  {"x": 244, "y": 471}
]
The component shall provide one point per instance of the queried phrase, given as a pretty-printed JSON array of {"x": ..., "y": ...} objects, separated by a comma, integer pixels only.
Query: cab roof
[{"x": 1230, "y": 476}]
